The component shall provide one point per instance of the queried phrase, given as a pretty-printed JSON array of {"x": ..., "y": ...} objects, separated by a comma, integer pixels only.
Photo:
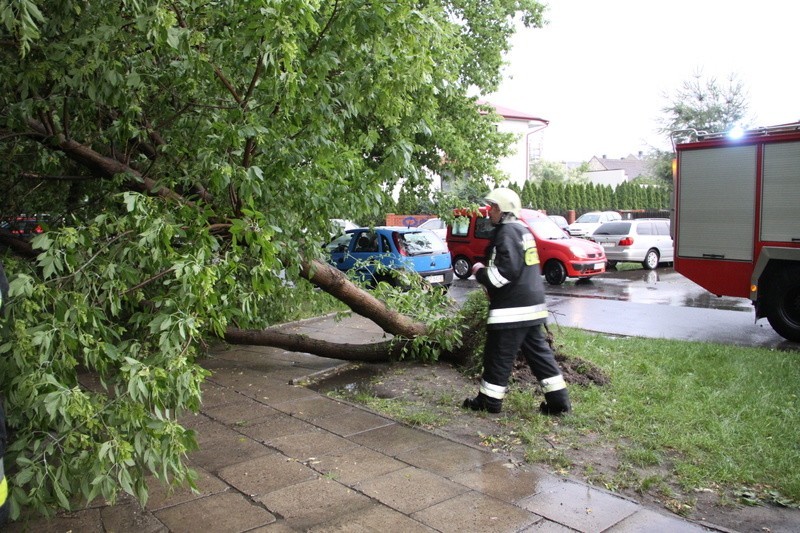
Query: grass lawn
[{"x": 716, "y": 415}]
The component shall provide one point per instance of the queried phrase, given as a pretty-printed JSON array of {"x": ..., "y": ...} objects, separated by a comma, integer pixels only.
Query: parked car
[
  {"x": 588, "y": 222},
  {"x": 436, "y": 225},
  {"x": 642, "y": 240},
  {"x": 341, "y": 225},
  {"x": 560, "y": 221},
  {"x": 560, "y": 255},
  {"x": 397, "y": 248},
  {"x": 23, "y": 227}
]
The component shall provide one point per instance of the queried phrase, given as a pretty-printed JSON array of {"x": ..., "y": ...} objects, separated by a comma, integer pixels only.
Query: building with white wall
[{"x": 528, "y": 146}]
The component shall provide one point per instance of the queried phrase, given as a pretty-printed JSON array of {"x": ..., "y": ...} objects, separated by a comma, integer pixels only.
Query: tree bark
[
  {"x": 335, "y": 283},
  {"x": 368, "y": 353}
]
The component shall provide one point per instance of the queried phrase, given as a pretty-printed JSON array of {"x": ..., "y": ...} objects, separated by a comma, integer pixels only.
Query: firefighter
[
  {"x": 517, "y": 311},
  {"x": 4, "y": 507}
]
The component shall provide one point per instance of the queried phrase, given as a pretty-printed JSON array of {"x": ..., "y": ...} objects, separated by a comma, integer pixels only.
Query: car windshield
[
  {"x": 544, "y": 228},
  {"x": 340, "y": 243},
  {"x": 614, "y": 228},
  {"x": 588, "y": 218},
  {"x": 422, "y": 242}
]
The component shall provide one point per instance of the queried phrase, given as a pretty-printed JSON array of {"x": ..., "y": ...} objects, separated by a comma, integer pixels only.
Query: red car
[
  {"x": 24, "y": 227},
  {"x": 560, "y": 255}
]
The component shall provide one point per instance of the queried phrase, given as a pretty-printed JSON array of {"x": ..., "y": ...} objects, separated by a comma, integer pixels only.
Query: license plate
[
  {"x": 607, "y": 244},
  {"x": 435, "y": 279},
  {"x": 598, "y": 266}
]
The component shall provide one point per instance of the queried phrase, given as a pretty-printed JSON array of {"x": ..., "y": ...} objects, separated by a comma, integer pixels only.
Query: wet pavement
[
  {"x": 655, "y": 304},
  {"x": 278, "y": 457}
]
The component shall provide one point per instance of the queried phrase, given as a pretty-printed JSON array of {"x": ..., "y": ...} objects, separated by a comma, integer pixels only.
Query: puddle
[{"x": 352, "y": 381}]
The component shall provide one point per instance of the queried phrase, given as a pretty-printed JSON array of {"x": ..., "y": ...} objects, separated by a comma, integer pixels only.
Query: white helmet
[{"x": 506, "y": 199}]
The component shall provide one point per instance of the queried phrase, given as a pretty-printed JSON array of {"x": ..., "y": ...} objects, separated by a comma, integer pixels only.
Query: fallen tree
[{"x": 189, "y": 158}]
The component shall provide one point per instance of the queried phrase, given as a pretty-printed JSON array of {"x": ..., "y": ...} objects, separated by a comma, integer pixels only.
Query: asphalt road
[{"x": 652, "y": 303}]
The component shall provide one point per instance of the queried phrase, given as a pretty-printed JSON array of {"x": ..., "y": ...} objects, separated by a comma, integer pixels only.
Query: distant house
[
  {"x": 604, "y": 171},
  {"x": 528, "y": 146}
]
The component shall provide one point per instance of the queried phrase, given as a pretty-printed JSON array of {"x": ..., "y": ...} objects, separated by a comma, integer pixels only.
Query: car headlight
[{"x": 578, "y": 252}]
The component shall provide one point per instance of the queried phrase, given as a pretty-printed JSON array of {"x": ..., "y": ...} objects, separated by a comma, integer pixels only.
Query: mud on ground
[{"x": 439, "y": 389}]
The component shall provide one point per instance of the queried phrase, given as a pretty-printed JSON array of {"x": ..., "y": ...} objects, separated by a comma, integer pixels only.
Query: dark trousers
[{"x": 502, "y": 347}]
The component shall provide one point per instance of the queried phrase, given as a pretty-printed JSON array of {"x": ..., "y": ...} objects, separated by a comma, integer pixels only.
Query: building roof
[
  {"x": 512, "y": 114},
  {"x": 632, "y": 165}
]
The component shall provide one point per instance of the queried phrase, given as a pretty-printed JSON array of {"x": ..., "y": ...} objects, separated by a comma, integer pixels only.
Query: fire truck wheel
[
  {"x": 554, "y": 272},
  {"x": 462, "y": 267},
  {"x": 651, "y": 259},
  {"x": 783, "y": 311}
]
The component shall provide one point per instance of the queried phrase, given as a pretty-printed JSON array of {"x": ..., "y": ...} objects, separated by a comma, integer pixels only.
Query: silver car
[{"x": 644, "y": 240}]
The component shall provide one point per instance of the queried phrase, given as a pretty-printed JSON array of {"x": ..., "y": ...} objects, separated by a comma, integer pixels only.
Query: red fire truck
[{"x": 736, "y": 219}]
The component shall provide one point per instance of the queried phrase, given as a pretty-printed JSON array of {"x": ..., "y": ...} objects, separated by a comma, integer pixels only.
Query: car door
[{"x": 665, "y": 243}]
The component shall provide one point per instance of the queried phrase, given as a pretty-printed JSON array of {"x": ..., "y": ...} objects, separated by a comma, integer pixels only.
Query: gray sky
[{"x": 602, "y": 70}]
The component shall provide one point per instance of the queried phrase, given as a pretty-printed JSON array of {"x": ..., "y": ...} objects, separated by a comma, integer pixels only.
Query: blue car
[{"x": 396, "y": 248}]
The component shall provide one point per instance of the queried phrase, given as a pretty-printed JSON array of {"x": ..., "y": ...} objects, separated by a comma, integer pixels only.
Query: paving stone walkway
[{"x": 277, "y": 457}]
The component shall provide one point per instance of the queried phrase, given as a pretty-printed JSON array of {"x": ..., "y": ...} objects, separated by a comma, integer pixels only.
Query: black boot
[
  {"x": 556, "y": 403},
  {"x": 481, "y": 402}
]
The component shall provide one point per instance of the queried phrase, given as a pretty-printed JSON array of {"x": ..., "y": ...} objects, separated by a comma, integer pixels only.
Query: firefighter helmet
[{"x": 507, "y": 200}]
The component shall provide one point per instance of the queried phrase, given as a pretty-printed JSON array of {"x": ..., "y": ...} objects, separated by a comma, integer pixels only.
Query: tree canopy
[
  {"x": 189, "y": 156},
  {"x": 703, "y": 103}
]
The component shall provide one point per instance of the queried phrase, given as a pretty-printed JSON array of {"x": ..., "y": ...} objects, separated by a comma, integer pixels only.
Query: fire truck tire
[
  {"x": 651, "y": 259},
  {"x": 554, "y": 272},
  {"x": 783, "y": 303},
  {"x": 462, "y": 267}
]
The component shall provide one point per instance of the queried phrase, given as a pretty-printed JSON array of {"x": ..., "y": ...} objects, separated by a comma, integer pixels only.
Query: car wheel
[
  {"x": 783, "y": 303},
  {"x": 554, "y": 272},
  {"x": 650, "y": 260},
  {"x": 461, "y": 267}
]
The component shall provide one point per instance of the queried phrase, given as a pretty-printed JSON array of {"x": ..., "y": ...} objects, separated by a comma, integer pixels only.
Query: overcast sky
[{"x": 602, "y": 70}]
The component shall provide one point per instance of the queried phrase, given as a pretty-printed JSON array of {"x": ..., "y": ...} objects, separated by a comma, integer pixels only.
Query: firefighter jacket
[{"x": 512, "y": 277}]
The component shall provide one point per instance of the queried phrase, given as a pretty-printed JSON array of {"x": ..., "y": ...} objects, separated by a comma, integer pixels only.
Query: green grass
[{"x": 719, "y": 415}]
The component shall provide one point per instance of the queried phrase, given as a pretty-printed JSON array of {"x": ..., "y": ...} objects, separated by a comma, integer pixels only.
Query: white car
[
  {"x": 642, "y": 240},
  {"x": 437, "y": 226},
  {"x": 588, "y": 222}
]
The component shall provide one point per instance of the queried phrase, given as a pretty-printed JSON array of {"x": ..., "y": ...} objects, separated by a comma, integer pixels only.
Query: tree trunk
[{"x": 335, "y": 283}]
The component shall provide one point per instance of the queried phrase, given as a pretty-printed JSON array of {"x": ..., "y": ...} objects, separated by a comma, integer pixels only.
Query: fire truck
[{"x": 736, "y": 218}]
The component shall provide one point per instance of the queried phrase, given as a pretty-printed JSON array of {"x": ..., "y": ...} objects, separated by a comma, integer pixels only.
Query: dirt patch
[{"x": 440, "y": 389}]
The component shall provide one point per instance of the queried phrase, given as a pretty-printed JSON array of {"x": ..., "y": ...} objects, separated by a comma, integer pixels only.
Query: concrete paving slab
[
  {"x": 310, "y": 445},
  {"x": 410, "y": 490},
  {"x": 228, "y": 511},
  {"x": 503, "y": 480},
  {"x": 265, "y": 474},
  {"x": 447, "y": 458},
  {"x": 313, "y": 408},
  {"x": 476, "y": 513},
  {"x": 161, "y": 495},
  {"x": 130, "y": 518},
  {"x": 374, "y": 519},
  {"x": 314, "y": 503},
  {"x": 214, "y": 394},
  {"x": 258, "y": 386},
  {"x": 274, "y": 427},
  {"x": 245, "y": 412},
  {"x": 353, "y": 422},
  {"x": 646, "y": 521},
  {"x": 578, "y": 506},
  {"x": 547, "y": 526},
  {"x": 349, "y": 467},
  {"x": 394, "y": 439},
  {"x": 221, "y": 446}
]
